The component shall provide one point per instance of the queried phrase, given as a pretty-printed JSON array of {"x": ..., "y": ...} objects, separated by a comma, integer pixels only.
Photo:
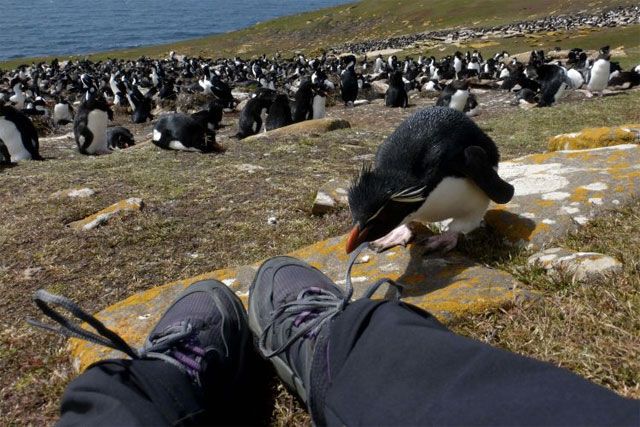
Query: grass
[
  {"x": 367, "y": 19},
  {"x": 200, "y": 210}
]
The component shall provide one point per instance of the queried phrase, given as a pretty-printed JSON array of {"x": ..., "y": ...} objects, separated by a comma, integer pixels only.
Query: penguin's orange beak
[{"x": 356, "y": 237}]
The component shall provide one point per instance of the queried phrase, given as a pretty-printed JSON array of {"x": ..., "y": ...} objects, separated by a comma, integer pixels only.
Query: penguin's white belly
[
  {"x": 560, "y": 92},
  {"x": 459, "y": 100},
  {"x": 61, "y": 112},
  {"x": 457, "y": 198},
  {"x": 319, "y": 107},
  {"x": 97, "y": 123},
  {"x": 576, "y": 78},
  {"x": 177, "y": 145},
  {"x": 10, "y": 134},
  {"x": 599, "y": 76}
]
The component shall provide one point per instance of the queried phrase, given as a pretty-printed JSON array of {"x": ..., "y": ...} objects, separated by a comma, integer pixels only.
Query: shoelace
[
  {"x": 174, "y": 345},
  {"x": 314, "y": 307}
]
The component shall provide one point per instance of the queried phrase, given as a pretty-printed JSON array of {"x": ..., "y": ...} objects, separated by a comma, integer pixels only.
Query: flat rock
[
  {"x": 74, "y": 193},
  {"x": 331, "y": 195},
  {"x": 132, "y": 204},
  {"x": 379, "y": 87},
  {"x": 306, "y": 128},
  {"x": 448, "y": 287},
  {"x": 559, "y": 191},
  {"x": 565, "y": 264},
  {"x": 596, "y": 137}
]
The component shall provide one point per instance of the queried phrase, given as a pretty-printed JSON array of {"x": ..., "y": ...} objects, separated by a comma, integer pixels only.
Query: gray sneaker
[
  {"x": 205, "y": 326},
  {"x": 291, "y": 305}
]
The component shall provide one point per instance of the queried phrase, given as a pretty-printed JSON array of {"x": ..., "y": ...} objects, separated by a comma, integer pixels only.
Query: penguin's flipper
[{"x": 477, "y": 167}]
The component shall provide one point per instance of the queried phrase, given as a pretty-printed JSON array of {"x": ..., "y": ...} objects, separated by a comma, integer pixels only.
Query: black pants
[{"x": 388, "y": 364}]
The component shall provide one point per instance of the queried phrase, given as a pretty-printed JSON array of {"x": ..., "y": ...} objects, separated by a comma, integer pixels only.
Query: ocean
[{"x": 57, "y": 27}]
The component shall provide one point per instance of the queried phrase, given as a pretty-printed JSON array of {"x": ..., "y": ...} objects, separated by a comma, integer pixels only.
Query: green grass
[{"x": 368, "y": 19}]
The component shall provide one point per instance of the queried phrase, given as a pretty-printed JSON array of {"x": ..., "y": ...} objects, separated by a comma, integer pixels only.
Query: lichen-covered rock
[
  {"x": 596, "y": 137},
  {"x": 331, "y": 195},
  {"x": 565, "y": 264},
  {"x": 448, "y": 287},
  {"x": 306, "y": 128},
  {"x": 132, "y": 204},
  {"x": 556, "y": 192}
]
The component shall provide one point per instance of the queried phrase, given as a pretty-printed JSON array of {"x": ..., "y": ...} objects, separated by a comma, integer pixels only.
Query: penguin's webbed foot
[
  {"x": 401, "y": 235},
  {"x": 444, "y": 242}
]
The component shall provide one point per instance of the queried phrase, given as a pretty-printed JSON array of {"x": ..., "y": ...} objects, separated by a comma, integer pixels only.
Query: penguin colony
[
  {"x": 284, "y": 92},
  {"x": 437, "y": 165}
]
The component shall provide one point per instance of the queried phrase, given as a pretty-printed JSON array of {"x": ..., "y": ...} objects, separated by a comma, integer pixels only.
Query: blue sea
[{"x": 57, "y": 27}]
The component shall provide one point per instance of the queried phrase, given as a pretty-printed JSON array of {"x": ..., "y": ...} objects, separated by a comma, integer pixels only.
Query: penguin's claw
[
  {"x": 444, "y": 242},
  {"x": 401, "y": 235}
]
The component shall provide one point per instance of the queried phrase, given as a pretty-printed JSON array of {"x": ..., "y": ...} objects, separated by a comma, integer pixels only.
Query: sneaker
[
  {"x": 205, "y": 326},
  {"x": 291, "y": 305}
]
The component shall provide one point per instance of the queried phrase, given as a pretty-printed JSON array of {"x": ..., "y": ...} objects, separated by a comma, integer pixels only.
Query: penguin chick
[{"x": 438, "y": 164}]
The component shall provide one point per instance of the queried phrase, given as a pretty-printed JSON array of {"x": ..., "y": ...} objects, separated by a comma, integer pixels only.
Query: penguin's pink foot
[
  {"x": 444, "y": 242},
  {"x": 401, "y": 235}
]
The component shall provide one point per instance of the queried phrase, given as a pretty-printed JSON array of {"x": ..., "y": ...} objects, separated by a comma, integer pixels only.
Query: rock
[
  {"x": 448, "y": 287},
  {"x": 306, "y": 128},
  {"x": 249, "y": 168},
  {"x": 240, "y": 105},
  {"x": 596, "y": 137},
  {"x": 74, "y": 193},
  {"x": 359, "y": 102},
  {"x": 132, "y": 204},
  {"x": 565, "y": 264},
  {"x": 557, "y": 192},
  {"x": 272, "y": 220},
  {"x": 332, "y": 194},
  {"x": 379, "y": 87}
]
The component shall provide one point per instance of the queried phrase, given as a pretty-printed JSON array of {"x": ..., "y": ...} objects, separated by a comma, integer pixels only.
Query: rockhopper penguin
[{"x": 437, "y": 165}]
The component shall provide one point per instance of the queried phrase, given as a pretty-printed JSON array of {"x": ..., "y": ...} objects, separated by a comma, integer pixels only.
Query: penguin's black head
[{"x": 379, "y": 202}]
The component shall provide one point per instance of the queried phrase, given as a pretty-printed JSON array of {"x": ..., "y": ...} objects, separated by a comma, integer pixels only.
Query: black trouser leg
[
  {"x": 131, "y": 392},
  {"x": 394, "y": 365}
]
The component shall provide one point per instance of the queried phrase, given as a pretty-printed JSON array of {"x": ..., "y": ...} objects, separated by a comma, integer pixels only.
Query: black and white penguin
[
  {"x": 321, "y": 87},
  {"x": 141, "y": 105},
  {"x": 553, "y": 82},
  {"x": 437, "y": 165},
  {"x": 62, "y": 112},
  {"x": 454, "y": 95},
  {"x": 349, "y": 84},
  {"x": 599, "y": 73},
  {"x": 279, "y": 114},
  {"x": 185, "y": 132},
  {"x": 119, "y": 137},
  {"x": 18, "y": 135},
  {"x": 396, "y": 95},
  {"x": 5, "y": 157},
  {"x": 18, "y": 98},
  {"x": 90, "y": 124},
  {"x": 251, "y": 116},
  {"x": 304, "y": 101}
]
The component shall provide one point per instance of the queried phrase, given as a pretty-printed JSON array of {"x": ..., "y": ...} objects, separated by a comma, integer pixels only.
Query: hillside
[{"x": 365, "y": 20}]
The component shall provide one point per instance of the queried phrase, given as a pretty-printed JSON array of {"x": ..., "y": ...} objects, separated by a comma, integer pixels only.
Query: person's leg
[
  {"x": 386, "y": 363},
  {"x": 395, "y": 364},
  {"x": 193, "y": 367}
]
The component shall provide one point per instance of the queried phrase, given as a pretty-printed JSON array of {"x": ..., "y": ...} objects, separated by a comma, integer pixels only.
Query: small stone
[
  {"x": 379, "y": 87},
  {"x": 332, "y": 194},
  {"x": 28, "y": 273},
  {"x": 74, "y": 193},
  {"x": 272, "y": 220},
  {"x": 249, "y": 168},
  {"x": 322, "y": 204},
  {"x": 565, "y": 264},
  {"x": 132, "y": 204}
]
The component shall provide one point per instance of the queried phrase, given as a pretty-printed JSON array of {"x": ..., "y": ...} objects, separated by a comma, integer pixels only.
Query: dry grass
[{"x": 200, "y": 210}]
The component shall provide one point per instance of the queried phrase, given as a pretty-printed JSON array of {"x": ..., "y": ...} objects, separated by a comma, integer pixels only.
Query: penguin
[
  {"x": 553, "y": 82},
  {"x": 471, "y": 107},
  {"x": 454, "y": 95},
  {"x": 396, "y": 95},
  {"x": 321, "y": 86},
  {"x": 437, "y": 165},
  {"x": 625, "y": 80},
  {"x": 185, "y": 132},
  {"x": 5, "y": 157},
  {"x": 19, "y": 136},
  {"x": 62, "y": 112},
  {"x": 90, "y": 124},
  {"x": 304, "y": 101},
  {"x": 250, "y": 121},
  {"x": 349, "y": 85},
  {"x": 18, "y": 98},
  {"x": 279, "y": 114},
  {"x": 576, "y": 77},
  {"x": 119, "y": 137},
  {"x": 525, "y": 98},
  {"x": 599, "y": 73}
]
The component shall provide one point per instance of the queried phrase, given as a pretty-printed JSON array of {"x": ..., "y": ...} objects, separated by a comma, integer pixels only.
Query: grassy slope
[{"x": 367, "y": 19}]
